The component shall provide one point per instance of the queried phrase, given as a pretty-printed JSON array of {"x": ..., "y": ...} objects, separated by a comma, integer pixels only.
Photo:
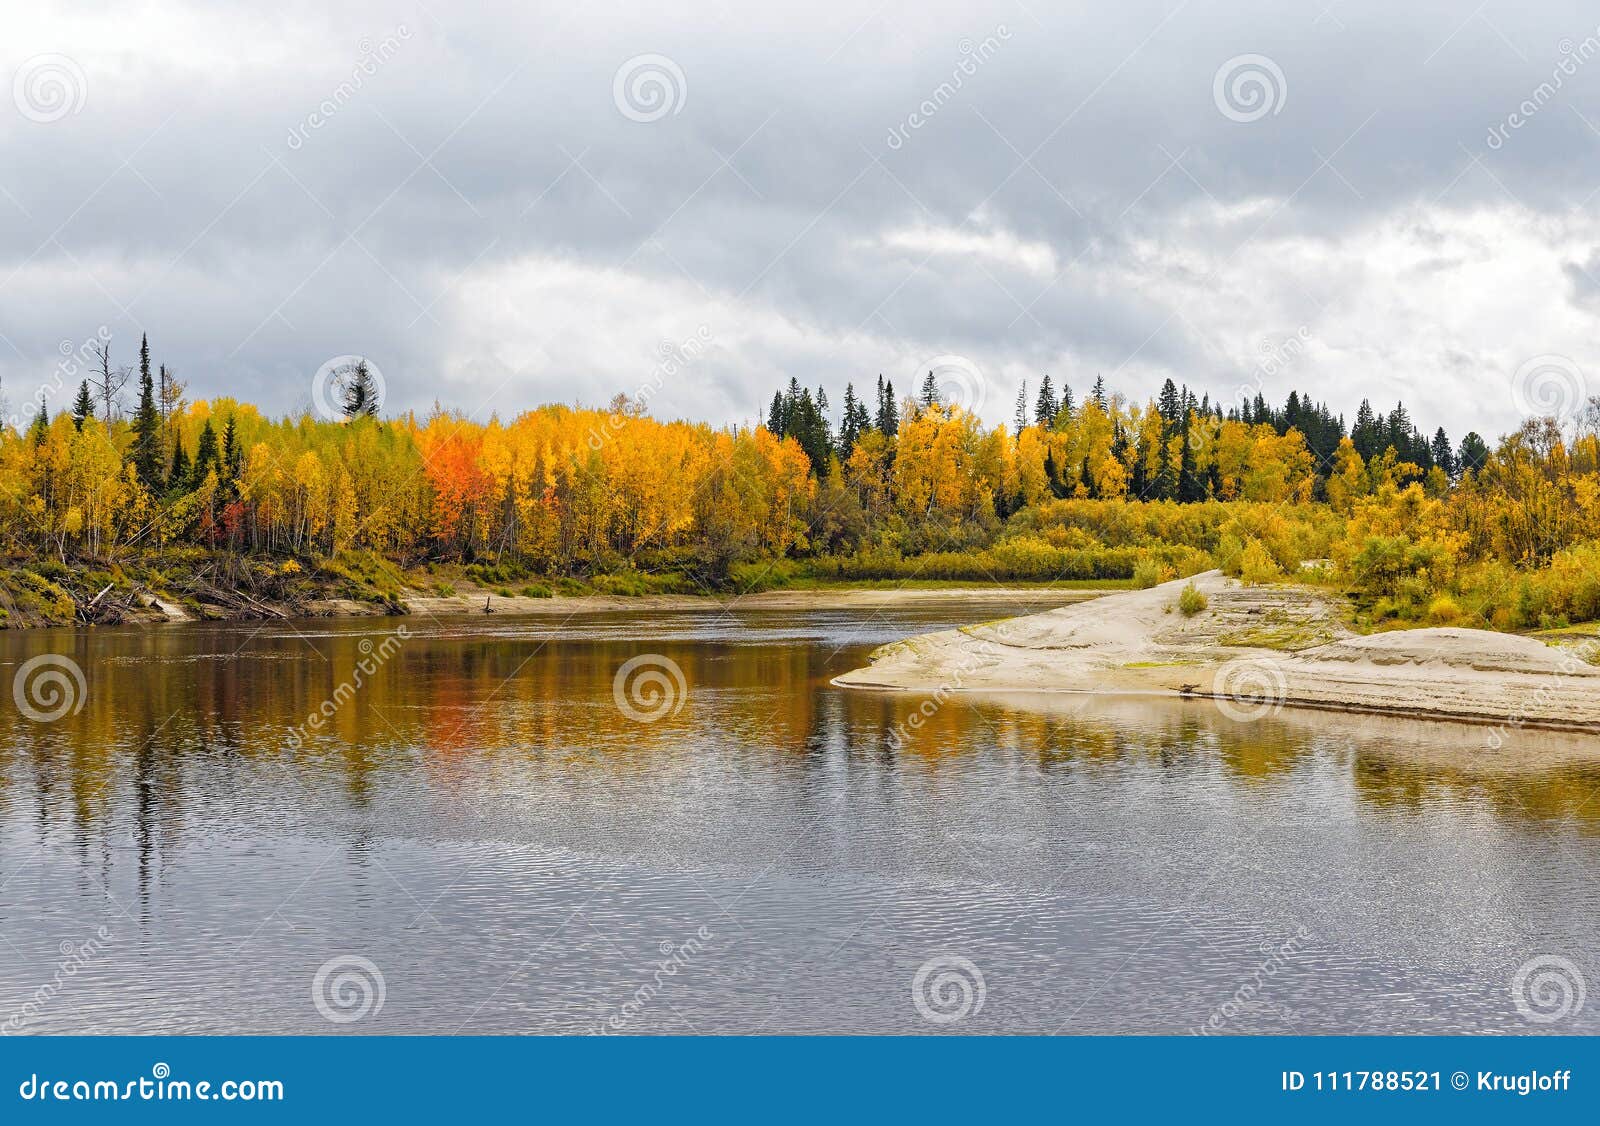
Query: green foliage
[{"x": 1190, "y": 600}]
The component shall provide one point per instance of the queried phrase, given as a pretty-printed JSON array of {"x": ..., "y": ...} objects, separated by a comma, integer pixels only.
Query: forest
[{"x": 1091, "y": 486}]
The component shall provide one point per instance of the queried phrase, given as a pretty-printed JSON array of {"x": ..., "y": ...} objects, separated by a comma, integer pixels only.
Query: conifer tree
[
  {"x": 147, "y": 459},
  {"x": 888, "y": 409},
  {"x": 360, "y": 392},
  {"x": 82, "y": 406},
  {"x": 1443, "y": 456},
  {"x": 206, "y": 458},
  {"x": 178, "y": 479},
  {"x": 1045, "y": 406}
]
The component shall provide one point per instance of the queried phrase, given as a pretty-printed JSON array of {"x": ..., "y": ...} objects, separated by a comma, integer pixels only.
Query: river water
[{"x": 478, "y": 827}]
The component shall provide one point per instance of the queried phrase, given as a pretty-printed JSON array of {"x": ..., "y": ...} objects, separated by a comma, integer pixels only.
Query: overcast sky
[{"x": 504, "y": 205}]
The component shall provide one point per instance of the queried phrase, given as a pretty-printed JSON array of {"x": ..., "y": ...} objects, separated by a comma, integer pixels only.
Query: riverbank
[
  {"x": 49, "y": 594},
  {"x": 1252, "y": 650}
]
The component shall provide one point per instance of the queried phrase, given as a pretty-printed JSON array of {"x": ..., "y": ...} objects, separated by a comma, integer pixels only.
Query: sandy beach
[
  {"x": 1251, "y": 652},
  {"x": 1002, "y": 598}
]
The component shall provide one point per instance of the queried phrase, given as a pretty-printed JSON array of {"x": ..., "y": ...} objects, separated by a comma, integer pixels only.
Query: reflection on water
[{"x": 480, "y": 819}]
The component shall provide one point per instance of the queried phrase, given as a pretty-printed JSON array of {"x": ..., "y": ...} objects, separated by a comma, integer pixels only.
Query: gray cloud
[{"x": 839, "y": 192}]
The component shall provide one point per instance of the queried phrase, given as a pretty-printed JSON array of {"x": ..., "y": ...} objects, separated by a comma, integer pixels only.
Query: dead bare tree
[{"x": 108, "y": 382}]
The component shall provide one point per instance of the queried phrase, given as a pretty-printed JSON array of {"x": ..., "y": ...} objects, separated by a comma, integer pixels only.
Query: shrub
[
  {"x": 1443, "y": 609},
  {"x": 1146, "y": 574},
  {"x": 1190, "y": 600},
  {"x": 1256, "y": 564}
]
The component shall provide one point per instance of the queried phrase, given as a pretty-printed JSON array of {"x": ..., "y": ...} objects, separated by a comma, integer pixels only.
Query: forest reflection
[{"x": 172, "y": 711}]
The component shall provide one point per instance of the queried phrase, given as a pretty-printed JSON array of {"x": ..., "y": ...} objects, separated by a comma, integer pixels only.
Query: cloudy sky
[{"x": 502, "y": 205}]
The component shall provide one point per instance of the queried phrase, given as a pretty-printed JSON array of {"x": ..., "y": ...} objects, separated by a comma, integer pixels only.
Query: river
[{"x": 672, "y": 823}]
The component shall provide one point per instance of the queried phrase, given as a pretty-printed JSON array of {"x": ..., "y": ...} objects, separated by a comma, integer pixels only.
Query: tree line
[{"x": 1096, "y": 485}]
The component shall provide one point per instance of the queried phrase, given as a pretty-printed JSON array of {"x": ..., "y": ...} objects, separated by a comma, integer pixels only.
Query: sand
[
  {"x": 1001, "y": 598},
  {"x": 1252, "y": 651}
]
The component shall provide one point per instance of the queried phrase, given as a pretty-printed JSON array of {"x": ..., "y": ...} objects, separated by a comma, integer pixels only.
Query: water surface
[{"x": 483, "y": 823}]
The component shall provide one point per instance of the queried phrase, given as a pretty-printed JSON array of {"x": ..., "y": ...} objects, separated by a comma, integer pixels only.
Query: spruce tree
[
  {"x": 849, "y": 424},
  {"x": 1443, "y": 456},
  {"x": 360, "y": 392},
  {"x": 1022, "y": 407},
  {"x": 206, "y": 458},
  {"x": 232, "y": 459},
  {"x": 775, "y": 414},
  {"x": 888, "y": 410},
  {"x": 930, "y": 391},
  {"x": 147, "y": 459},
  {"x": 1474, "y": 451},
  {"x": 1045, "y": 406},
  {"x": 1169, "y": 407},
  {"x": 178, "y": 479},
  {"x": 82, "y": 406}
]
